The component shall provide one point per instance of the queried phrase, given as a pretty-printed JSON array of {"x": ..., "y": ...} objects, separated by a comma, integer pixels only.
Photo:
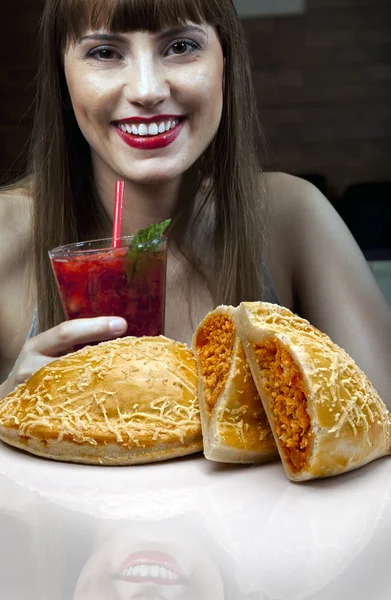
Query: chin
[
  {"x": 161, "y": 177},
  {"x": 155, "y": 176},
  {"x": 151, "y": 179}
]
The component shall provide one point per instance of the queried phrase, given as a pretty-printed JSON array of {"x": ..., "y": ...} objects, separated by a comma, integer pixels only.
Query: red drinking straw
[{"x": 118, "y": 206}]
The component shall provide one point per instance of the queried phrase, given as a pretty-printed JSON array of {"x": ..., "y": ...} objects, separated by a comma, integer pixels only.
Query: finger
[
  {"x": 23, "y": 372},
  {"x": 63, "y": 337}
]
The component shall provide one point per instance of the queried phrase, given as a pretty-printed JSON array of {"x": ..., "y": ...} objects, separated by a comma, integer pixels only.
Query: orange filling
[
  {"x": 214, "y": 343},
  {"x": 283, "y": 383}
]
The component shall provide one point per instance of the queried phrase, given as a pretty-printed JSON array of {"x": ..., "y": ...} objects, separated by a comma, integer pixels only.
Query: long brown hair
[{"x": 67, "y": 206}]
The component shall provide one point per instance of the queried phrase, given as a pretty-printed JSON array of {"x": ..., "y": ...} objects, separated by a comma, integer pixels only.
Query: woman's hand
[{"x": 48, "y": 346}]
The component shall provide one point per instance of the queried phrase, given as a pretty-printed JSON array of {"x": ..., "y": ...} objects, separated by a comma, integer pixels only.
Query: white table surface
[{"x": 236, "y": 531}]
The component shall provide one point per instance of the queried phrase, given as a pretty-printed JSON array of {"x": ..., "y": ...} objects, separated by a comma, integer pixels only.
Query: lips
[
  {"x": 150, "y": 134},
  {"x": 151, "y": 567}
]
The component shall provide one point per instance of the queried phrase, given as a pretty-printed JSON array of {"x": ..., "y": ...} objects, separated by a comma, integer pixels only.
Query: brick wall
[{"x": 323, "y": 82}]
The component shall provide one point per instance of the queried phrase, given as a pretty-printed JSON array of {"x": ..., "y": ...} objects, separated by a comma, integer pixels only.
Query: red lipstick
[{"x": 150, "y": 142}]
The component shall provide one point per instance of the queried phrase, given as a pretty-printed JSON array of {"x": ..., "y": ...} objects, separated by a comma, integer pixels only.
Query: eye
[
  {"x": 180, "y": 47},
  {"x": 103, "y": 53}
]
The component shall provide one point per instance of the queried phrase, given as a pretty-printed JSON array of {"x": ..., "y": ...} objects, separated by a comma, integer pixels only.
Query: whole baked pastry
[
  {"x": 127, "y": 401},
  {"x": 326, "y": 416},
  {"x": 234, "y": 423}
]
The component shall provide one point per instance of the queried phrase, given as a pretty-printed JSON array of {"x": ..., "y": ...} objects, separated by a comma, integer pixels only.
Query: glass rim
[{"x": 76, "y": 247}]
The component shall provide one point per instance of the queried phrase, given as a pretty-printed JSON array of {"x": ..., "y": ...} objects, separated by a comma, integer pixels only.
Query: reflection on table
[{"x": 190, "y": 529}]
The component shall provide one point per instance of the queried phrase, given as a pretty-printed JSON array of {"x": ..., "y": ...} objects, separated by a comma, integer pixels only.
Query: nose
[{"x": 147, "y": 85}]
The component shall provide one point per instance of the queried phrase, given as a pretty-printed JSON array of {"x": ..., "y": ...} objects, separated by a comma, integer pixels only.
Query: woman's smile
[{"x": 150, "y": 134}]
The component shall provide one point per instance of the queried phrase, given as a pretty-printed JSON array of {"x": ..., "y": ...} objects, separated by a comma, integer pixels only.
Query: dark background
[{"x": 323, "y": 81}]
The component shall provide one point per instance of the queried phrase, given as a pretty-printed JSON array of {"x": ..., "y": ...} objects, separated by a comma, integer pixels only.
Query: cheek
[
  {"x": 90, "y": 93},
  {"x": 207, "y": 580},
  {"x": 203, "y": 91}
]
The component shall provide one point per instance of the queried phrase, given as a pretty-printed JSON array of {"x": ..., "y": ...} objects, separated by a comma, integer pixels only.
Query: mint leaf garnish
[
  {"x": 145, "y": 240},
  {"x": 150, "y": 236}
]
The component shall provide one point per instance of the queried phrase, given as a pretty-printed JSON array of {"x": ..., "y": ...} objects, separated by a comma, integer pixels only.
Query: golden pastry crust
[
  {"x": 326, "y": 416},
  {"x": 127, "y": 401},
  {"x": 234, "y": 424}
]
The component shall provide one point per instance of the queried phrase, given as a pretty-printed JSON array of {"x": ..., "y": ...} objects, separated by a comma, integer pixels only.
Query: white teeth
[
  {"x": 148, "y": 129},
  {"x": 153, "y": 129},
  {"x": 155, "y": 571},
  {"x": 144, "y": 570}
]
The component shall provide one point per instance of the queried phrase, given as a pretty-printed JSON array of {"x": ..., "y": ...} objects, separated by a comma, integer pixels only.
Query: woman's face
[
  {"x": 148, "y": 104},
  {"x": 153, "y": 561}
]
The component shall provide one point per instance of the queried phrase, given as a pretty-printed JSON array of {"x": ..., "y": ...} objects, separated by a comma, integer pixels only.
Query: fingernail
[{"x": 117, "y": 325}]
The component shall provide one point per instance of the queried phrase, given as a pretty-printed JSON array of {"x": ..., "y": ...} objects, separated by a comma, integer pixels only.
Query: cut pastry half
[
  {"x": 127, "y": 401},
  {"x": 234, "y": 424},
  {"x": 326, "y": 416}
]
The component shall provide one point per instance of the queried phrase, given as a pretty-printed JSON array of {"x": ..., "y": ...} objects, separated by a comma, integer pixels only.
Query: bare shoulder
[
  {"x": 310, "y": 229},
  {"x": 15, "y": 226},
  {"x": 305, "y": 223},
  {"x": 15, "y": 211},
  {"x": 320, "y": 247},
  {"x": 289, "y": 198},
  {"x": 289, "y": 194},
  {"x": 17, "y": 297}
]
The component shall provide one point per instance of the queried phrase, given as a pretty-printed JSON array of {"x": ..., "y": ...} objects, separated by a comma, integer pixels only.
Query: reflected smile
[
  {"x": 148, "y": 573},
  {"x": 151, "y": 567}
]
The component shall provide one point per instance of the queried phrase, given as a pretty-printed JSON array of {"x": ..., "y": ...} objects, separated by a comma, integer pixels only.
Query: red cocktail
[{"x": 97, "y": 280}]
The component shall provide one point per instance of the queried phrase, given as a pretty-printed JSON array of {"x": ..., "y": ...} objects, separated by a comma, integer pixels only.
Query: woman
[{"x": 112, "y": 75}]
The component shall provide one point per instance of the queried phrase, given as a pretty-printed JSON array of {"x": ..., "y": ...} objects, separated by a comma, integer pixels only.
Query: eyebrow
[
  {"x": 102, "y": 37},
  {"x": 116, "y": 37},
  {"x": 181, "y": 29}
]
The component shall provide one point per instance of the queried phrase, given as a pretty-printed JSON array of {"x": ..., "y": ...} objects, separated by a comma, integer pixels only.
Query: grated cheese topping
[{"x": 132, "y": 391}]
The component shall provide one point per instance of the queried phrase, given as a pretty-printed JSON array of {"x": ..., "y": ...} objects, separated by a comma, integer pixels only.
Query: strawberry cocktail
[{"x": 96, "y": 280}]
